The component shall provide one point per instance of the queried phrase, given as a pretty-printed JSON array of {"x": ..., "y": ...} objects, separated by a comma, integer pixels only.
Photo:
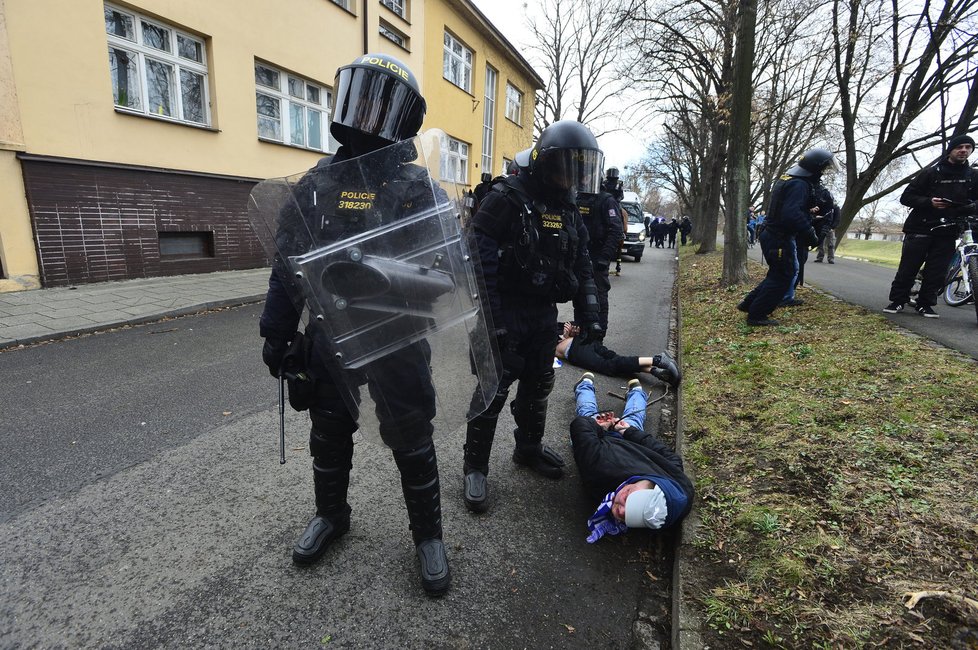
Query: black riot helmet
[
  {"x": 815, "y": 162},
  {"x": 378, "y": 102},
  {"x": 566, "y": 158},
  {"x": 611, "y": 183}
]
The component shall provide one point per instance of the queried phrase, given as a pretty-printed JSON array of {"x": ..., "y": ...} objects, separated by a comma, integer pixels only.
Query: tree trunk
[{"x": 738, "y": 183}]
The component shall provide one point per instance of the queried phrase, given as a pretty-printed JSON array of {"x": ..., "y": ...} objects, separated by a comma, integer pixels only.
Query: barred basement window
[
  {"x": 156, "y": 69},
  {"x": 186, "y": 245}
]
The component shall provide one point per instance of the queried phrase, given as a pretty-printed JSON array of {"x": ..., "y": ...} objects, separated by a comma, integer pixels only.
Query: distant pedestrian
[
  {"x": 672, "y": 228},
  {"x": 939, "y": 196},
  {"x": 826, "y": 234},
  {"x": 685, "y": 227}
]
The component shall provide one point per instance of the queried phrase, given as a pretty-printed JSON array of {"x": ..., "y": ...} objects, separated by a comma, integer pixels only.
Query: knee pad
[
  {"x": 406, "y": 431},
  {"x": 418, "y": 465},
  {"x": 331, "y": 433},
  {"x": 530, "y": 406}
]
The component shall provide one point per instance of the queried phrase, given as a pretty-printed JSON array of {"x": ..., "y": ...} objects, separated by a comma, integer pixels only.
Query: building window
[
  {"x": 186, "y": 245},
  {"x": 505, "y": 170},
  {"x": 343, "y": 3},
  {"x": 293, "y": 110},
  {"x": 457, "y": 63},
  {"x": 156, "y": 69},
  {"x": 393, "y": 35},
  {"x": 454, "y": 160},
  {"x": 399, "y": 7},
  {"x": 489, "y": 118},
  {"x": 514, "y": 103}
]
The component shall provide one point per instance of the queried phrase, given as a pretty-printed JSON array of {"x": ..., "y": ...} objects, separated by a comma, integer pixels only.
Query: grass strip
[
  {"x": 885, "y": 253},
  {"x": 836, "y": 463}
]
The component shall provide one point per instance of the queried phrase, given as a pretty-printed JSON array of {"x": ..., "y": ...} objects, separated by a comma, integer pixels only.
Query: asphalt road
[
  {"x": 142, "y": 505},
  {"x": 868, "y": 285}
]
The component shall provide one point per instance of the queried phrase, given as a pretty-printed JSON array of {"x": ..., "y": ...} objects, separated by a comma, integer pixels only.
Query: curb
[
  {"x": 684, "y": 624},
  {"x": 141, "y": 320}
]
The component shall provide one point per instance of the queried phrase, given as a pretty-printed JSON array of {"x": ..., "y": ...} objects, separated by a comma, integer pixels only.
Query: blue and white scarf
[{"x": 602, "y": 522}]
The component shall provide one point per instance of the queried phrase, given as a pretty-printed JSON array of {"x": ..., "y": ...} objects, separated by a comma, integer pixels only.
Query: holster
[{"x": 295, "y": 363}]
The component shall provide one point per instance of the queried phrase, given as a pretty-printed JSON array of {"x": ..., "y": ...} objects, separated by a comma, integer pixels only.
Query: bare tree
[
  {"x": 683, "y": 54},
  {"x": 577, "y": 44},
  {"x": 893, "y": 71}
]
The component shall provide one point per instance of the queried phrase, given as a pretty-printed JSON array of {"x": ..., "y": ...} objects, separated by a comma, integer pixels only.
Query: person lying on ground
[
  {"x": 593, "y": 355},
  {"x": 637, "y": 480}
]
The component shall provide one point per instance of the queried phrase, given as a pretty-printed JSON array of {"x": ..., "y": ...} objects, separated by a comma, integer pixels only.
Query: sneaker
[
  {"x": 818, "y": 261},
  {"x": 893, "y": 308},
  {"x": 831, "y": 261},
  {"x": 761, "y": 322},
  {"x": 927, "y": 311},
  {"x": 586, "y": 377},
  {"x": 633, "y": 384}
]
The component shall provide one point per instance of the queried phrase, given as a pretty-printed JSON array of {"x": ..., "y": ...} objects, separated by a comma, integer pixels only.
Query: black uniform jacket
[
  {"x": 944, "y": 180},
  {"x": 606, "y": 460}
]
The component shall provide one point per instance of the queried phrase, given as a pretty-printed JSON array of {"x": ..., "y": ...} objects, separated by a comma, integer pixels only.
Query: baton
[{"x": 281, "y": 418}]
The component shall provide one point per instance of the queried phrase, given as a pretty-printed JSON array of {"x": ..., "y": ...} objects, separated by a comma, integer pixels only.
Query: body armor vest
[{"x": 538, "y": 258}]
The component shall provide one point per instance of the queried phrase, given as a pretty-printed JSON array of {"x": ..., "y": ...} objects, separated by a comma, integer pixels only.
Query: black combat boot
[
  {"x": 478, "y": 445},
  {"x": 419, "y": 481},
  {"x": 332, "y": 520},
  {"x": 531, "y": 452}
]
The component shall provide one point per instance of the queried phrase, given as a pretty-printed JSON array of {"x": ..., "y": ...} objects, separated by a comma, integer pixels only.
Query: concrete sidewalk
[{"x": 49, "y": 314}]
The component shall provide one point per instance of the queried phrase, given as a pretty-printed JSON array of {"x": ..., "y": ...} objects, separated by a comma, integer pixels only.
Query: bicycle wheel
[
  {"x": 973, "y": 278},
  {"x": 955, "y": 293}
]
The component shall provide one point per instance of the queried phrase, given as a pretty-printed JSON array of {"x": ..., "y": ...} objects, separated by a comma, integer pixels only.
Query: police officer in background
[
  {"x": 602, "y": 217},
  {"x": 787, "y": 226},
  {"x": 378, "y": 103},
  {"x": 532, "y": 245}
]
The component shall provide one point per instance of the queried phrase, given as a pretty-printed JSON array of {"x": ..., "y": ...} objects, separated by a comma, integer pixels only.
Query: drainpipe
[{"x": 366, "y": 32}]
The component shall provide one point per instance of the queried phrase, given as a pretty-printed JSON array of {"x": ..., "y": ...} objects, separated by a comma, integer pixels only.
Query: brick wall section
[{"x": 93, "y": 224}]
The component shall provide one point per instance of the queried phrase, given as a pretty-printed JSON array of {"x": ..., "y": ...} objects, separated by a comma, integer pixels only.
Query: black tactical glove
[
  {"x": 272, "y": 353},
  {"x": 808, "y": 238},
  {"x": 665, "y": 369}
]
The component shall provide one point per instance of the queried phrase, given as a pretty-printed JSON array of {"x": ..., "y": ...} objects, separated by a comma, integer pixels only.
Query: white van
[{"x": 634, "y": 244}]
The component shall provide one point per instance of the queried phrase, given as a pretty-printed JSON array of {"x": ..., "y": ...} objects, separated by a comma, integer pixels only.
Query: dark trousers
[
  {"x": 932, "y": 252},
  {"x": 603, "y": 285},
  {"x": 596, "y": 357},
  {"x": 682, "y": 239},
  {"x": 782, "y": 264}
]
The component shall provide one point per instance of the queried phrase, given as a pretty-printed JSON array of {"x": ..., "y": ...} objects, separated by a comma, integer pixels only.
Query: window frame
[
  {"x": 459, "y": 159},
  {"x": 489, "y": 116},
  {"x": 449, "y": 42},
  {"x": 518, "y": 103},
  {"x": 287, "y": 101},
  {"x": 392, "y": 7},
  {"x": 143, "y": 57},
  {"x": 395, "y": 33}
]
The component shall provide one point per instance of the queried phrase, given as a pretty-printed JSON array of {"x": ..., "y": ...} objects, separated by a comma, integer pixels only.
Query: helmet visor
[
  {"x": 571, "y": 169},
  {"x": 377, "y": 104}
]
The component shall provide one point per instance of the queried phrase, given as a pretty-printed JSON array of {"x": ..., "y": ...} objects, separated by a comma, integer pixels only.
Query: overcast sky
[{"x": 621, "y": 148}]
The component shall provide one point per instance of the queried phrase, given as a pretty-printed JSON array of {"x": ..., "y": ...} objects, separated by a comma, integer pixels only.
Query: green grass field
[
  {"x": 834, "y": 458},
  {"x": 886, "y": 253}
]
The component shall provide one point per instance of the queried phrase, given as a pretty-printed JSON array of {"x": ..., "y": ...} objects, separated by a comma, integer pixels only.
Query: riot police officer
[
  {"x": 532, "y": 245},
  {"x": 793, "y": 197},
  {"x": 602, "y": 216},
  {"x": 378, "y": 103}
]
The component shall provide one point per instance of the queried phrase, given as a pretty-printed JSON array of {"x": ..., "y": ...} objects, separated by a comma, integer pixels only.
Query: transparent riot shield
[{"x": 372, "y": 252}]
